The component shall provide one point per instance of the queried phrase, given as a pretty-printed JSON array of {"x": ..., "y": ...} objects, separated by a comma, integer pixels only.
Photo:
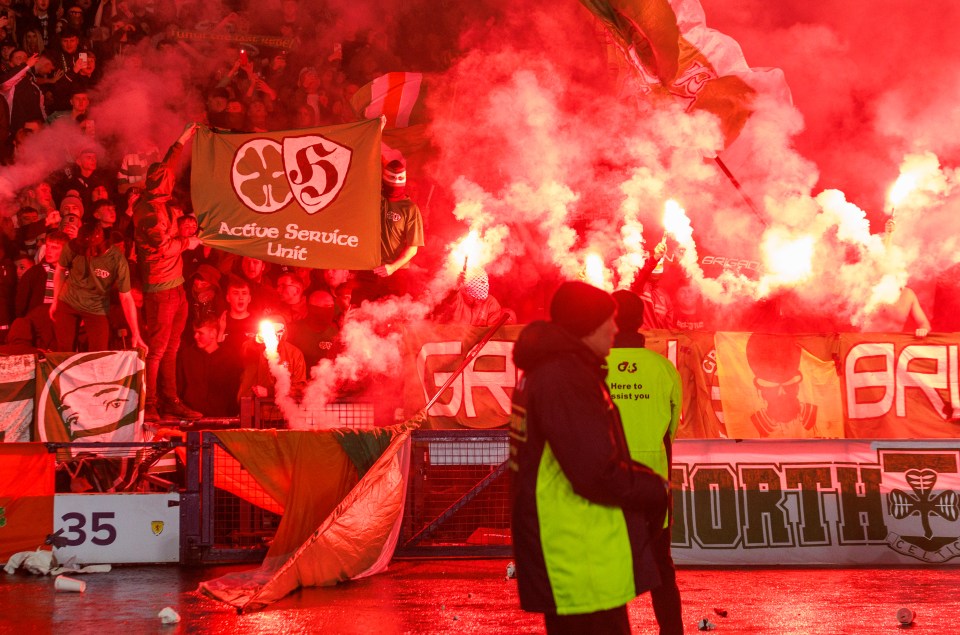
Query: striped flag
[
  {"x": 400, "y": 97},
  {"x": 17, "y": 388},
  {"x": 396, "y": 95}
]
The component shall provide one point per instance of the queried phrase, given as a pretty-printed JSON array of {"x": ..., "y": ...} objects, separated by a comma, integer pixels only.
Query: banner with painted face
[
  {"x": 90, "y": 397},
  {"x": 304, "y": 198}
]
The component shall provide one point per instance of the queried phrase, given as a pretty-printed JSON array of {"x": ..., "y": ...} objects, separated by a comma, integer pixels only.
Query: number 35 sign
[{"x": 117, "y": 528}]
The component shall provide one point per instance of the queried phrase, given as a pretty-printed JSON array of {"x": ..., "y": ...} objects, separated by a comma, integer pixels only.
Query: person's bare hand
[
  {"x": 922, "y": 332},
  {"x": 32, "y": 60},
  {"x": 260, "y": 391}
]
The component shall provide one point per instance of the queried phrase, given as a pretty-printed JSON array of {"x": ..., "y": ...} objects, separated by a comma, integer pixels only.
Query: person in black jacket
[{"x": 583, "y": 513}]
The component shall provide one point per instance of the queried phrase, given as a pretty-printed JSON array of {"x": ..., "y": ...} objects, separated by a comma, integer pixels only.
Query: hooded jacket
[
  {"x": 159, "y": 252},
  {"x": 582, "y": 511}
]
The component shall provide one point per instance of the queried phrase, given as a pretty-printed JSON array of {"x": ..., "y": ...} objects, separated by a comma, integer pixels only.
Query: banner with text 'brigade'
[
  {"x": 480, "y": 396},
  {"x": 304, "y": 198}
]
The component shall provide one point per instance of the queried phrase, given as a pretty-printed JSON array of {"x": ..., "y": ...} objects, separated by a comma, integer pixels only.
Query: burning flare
[
  {"x": 788, "y": 260},
  {"x": 676, "y": 223},
  {"x": 595, "y": 272},
  {"x": 468, "y": 251},
  {"x": 268, "y": 334}
]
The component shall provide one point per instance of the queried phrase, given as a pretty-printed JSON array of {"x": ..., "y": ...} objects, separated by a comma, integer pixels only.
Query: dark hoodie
[
  {"x": 158, "y": 251},
  {"x": 574, "y": 481}
]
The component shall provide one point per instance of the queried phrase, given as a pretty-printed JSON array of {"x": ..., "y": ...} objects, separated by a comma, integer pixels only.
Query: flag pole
[
  {"x": 466, "y": 360},
  {"x": 746, "y": 199}
]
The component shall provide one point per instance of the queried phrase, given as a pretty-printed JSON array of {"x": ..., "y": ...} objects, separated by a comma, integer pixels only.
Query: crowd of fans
[
  {"x": 102, "y": 253},
  {"x": 82, "y": 269}
]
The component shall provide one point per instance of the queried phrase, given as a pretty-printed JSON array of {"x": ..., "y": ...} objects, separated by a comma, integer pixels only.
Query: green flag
[{"x": 306, "y": 198}]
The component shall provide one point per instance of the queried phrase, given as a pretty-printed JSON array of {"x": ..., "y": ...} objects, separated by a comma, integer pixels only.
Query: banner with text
[
  {"x": 305, "y": 198},
  {"x": 480, "y": 396},
  {"x": 816, "y": 502},
  {"x": 735, "y": 385}
]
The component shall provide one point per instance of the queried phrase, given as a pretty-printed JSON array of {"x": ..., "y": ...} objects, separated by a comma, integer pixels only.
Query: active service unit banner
[{"x": 304, "y": 198}]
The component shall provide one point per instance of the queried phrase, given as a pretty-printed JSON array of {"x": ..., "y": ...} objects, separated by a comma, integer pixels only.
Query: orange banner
[{"x": 26, "y": 497}]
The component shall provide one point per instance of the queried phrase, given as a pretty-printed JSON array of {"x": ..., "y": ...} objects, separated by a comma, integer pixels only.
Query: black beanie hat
[
  {"x": 629, "y": 310},
  {"x": 581, "y": 308}
]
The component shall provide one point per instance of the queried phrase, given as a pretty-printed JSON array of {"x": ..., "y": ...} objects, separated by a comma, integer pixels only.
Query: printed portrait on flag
[
  {"x": 90, "y": 397},
  {"x": 772, "y": 387},
  {"x": 304, "y": 198}
]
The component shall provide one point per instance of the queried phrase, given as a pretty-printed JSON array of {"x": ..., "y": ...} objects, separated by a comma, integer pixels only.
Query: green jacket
[{"x": 582, "y": 511}]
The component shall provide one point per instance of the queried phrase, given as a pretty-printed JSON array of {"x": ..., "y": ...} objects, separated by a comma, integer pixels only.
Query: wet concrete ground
[{"x": 473, "y": 596}]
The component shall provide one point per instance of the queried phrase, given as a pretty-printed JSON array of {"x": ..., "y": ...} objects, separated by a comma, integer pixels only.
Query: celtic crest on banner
[{"x": 267, "y": 176}]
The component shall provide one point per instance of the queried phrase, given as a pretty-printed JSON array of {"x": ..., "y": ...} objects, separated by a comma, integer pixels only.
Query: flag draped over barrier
[
  {"x": 346, "y": 490},
  {"x": 17, "y": 388},
  {"x": 305, "y": 198},
  {"x": 26, "y": 497}
]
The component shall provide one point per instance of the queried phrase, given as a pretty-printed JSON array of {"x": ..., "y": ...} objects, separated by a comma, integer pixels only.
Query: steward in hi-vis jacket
[
  {"x": 646, "y": 388},
  {"x": 583, "y": 513}
]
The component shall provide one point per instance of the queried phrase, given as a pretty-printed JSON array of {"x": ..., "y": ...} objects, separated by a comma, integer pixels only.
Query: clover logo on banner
[{"x": 268, "y": 175}]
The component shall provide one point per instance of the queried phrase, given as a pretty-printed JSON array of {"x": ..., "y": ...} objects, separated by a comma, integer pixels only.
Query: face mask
[
  {"x": 394, "y": 192},
  {"x": 321, "y": 315}
]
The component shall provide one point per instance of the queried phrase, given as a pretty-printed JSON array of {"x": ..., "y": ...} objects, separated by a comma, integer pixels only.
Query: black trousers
[
  {"x": 609, "y": 622},
  {"x": 666, "y": 597}
]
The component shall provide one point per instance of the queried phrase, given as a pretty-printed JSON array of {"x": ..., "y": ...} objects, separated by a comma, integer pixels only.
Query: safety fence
[{"x": 830, "y": 502}]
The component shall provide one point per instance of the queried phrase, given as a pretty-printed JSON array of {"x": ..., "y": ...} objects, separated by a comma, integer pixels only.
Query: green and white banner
[
  {"x": 90, "y": 397},
  {"x": 305, "y": 198}
]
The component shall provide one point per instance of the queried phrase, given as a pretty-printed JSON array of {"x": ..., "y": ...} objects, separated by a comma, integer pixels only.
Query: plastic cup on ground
[
  {"x": 905, "y": 616},
  {"x": 69, "y": 585},
  {"x": 168, "y": 616}
]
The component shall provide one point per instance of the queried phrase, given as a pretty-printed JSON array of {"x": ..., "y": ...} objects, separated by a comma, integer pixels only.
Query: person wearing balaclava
[
  {"x": 583, "y": 513},
  {"x": 401, "y": 230},
  {"x": 473, "y": 304}
]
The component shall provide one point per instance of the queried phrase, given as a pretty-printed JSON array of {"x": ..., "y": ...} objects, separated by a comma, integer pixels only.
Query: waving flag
[
  {"x": 395, "y": 95},
  {"x": 400, "y": 97},
  {"x": 666, "y": 48},
  {"x": 307, "y": 198}
]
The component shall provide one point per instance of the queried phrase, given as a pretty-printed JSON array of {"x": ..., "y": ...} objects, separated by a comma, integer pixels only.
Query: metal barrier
[
  {"x": 216, "y": 525},
  {"x": 265, "y": 413},
  {"x": 458, "y": 495}
]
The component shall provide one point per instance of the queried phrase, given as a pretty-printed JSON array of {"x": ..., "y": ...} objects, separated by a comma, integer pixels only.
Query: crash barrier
[
  {"x": 226, "y": 517},
  {"x": 457, "y": 495},
  {"x": 831, "y": 502},
  {"x": 260, "y": 413}
]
